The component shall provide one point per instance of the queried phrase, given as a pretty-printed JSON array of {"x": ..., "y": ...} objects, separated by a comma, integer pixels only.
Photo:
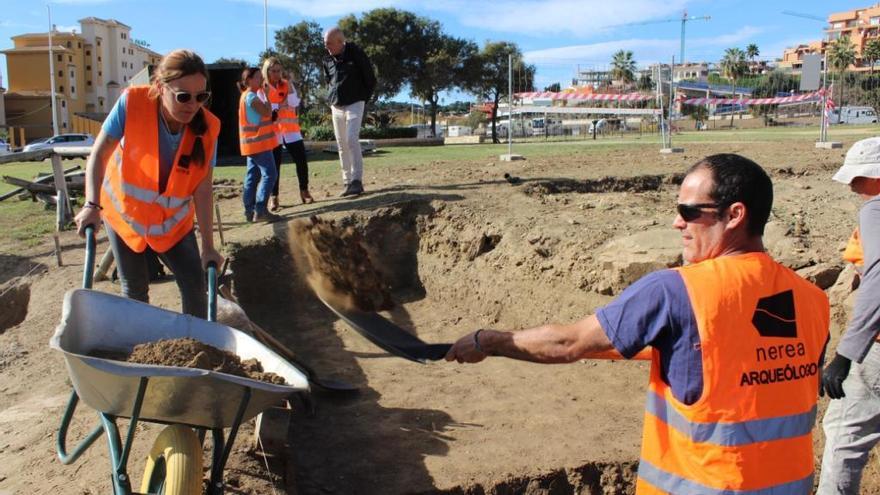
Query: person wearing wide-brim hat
[{"x": 852, "y": 379}]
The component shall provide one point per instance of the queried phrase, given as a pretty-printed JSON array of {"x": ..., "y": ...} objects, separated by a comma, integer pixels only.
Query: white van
[{"x": 853, "y": 115}]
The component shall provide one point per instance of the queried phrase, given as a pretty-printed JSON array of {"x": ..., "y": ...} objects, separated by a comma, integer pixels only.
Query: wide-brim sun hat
[{"x": 862, "y": 160}]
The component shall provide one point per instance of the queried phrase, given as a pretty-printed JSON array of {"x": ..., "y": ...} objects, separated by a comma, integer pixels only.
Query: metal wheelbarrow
[{"x": 190, "y": 401}]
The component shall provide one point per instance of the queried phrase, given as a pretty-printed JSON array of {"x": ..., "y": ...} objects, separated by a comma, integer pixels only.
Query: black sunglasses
[
  {"x": 691, "y": 212},
  {"x": 184, "y": 97}
]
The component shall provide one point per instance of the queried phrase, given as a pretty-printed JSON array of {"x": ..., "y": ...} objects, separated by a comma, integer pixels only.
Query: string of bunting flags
[
  {"x": 551, "y": 95},
  {"x": 814, "y": 96}
]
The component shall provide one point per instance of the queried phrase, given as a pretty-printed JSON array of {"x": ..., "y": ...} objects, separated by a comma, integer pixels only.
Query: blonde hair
[
  {"x": 181, "y": 63},
  {"x": 267, "y": 64}
]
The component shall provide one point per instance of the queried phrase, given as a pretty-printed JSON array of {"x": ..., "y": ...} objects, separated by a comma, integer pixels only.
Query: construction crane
[{"x": 685, "y": 18}]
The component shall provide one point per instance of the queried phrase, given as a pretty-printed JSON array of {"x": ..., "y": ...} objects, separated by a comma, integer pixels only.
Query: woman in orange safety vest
[
  {"x": 284, "y": 100},
  {"x": 257, "y": 139},
  {"x": 150, "y": 175}
]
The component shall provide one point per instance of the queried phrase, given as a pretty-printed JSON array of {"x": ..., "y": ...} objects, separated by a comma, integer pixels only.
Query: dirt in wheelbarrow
[{"x": 190, "y": 353}]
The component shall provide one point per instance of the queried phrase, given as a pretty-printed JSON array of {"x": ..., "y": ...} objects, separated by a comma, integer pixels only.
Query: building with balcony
[
  {"x": 90, "y": 69},
  {"x": 861, "y": 25}
]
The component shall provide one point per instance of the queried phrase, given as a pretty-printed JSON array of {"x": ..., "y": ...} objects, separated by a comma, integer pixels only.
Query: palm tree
[
  {"x": 752, "y": 52},
  {"x": 733, "y": 66},
  {"x": 623, "y": 67},
  {"x": 872, "y": 53},
  {"x": 841, "y": 54}
]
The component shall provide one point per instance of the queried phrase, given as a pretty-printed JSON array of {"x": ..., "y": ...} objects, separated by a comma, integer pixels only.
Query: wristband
[
  {"x": 92, "y": 204},
  {"x": 477, "y": 342}
]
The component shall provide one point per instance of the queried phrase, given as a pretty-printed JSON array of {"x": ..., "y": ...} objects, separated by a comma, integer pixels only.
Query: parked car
[
  {"x": 5, "y": 149},
  {"x": 61, "y": 141}
]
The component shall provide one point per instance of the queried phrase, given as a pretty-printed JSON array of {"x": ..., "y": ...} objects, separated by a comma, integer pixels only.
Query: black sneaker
[
  {"x": 356, "y": 188},
  {"x": 346, "y": 191},
  {"x": 267, "y": 217},
  {"x": 249, "y": 216}
]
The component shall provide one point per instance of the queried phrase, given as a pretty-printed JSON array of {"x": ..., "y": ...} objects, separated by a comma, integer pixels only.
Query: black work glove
[
  {"x": 274, "y": 115},
  {"x": 834, "y": 375}
]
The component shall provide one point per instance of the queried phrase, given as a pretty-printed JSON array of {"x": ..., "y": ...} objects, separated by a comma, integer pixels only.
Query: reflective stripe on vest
[
  {"x": 148, "y": 195},
  {"x": 671, "y": 483},
  {"x": 257, "y": 139},
  {"x": 146, "y": 230},
  {"x": 746, "y": 432}
]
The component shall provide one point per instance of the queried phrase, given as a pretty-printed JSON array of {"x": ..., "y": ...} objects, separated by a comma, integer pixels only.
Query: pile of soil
[
  {"x": 336, "y": 264},
  {"x": 190, "y": 353}
]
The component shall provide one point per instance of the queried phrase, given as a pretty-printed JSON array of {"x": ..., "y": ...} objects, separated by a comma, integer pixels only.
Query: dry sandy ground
[{"x": 462, "y": 249}]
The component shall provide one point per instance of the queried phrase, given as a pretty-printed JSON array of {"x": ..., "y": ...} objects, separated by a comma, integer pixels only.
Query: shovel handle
[
  {"x": 212, "y": 291},
  {"x": 89, "y": 264}
]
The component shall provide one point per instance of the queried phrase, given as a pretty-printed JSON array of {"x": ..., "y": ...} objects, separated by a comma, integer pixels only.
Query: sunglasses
[
  {"x": 184, "y": 97},
  {"x": 691, "y": 212}
]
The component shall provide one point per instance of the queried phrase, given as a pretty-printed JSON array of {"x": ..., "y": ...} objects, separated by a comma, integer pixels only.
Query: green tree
[
  {"x": 752, "y": 52},
  {"x": 300, "y": 48},
  {"x": 623, "y": 67},
  {"x": 231, "y": 60},
  {"x": 841, "y": 54},
  {"x": 645, "y": 82},
  {"x": 490, "y": 81},
  {"x": 555, "y": 87},
  {"x": 441, "y": 62},
  {"x": 733, "y": 67},
  {"x": 391, "y": 39},
  {"x": 872, "y": 53}
]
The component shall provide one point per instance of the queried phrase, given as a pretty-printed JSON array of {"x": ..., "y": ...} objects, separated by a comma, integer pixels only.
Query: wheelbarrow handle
[
  {"x": 212, "y": 291},
  {"x": 89, "y": 268}
]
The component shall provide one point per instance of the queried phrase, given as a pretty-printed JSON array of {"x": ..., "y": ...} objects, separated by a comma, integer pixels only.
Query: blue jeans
[
  {"x": 184, "y": 261},
  {"x": 259, "y": 179}
]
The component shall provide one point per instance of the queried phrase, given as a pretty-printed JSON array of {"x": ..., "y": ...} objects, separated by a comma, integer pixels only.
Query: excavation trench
[{"x": 499, "y": 427}]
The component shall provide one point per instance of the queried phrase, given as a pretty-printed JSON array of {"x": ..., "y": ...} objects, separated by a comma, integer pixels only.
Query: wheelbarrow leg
[
  {"x": 223, "y": 448},
  {"x": 118, "y": 452}
]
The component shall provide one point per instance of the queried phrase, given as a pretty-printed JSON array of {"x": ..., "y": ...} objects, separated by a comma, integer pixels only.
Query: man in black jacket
[{"x": 352, "y": 81}]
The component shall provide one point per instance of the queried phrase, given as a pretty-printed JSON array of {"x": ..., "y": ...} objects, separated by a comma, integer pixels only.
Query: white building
[{"x": 113, "y": 58}]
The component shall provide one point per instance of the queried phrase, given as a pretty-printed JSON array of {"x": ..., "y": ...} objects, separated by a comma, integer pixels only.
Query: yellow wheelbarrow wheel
[{"x": 174, "y": 466}]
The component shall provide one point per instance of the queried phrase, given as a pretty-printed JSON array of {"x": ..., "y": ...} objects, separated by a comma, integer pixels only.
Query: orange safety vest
[
  {"x": 762, "y": 330},
  {"x": 853, "y": 252},
  {"x": 133, "y": 206},
  {"x": 287, "y": 118},
  {"x": 254, "y": 138}
]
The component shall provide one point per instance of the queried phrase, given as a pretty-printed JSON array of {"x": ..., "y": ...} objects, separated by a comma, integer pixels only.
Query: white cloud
[
  {"x": 575, "y": 17},
  {"x": 530, "y": 17},
  {"x": 645, "y": 50}
]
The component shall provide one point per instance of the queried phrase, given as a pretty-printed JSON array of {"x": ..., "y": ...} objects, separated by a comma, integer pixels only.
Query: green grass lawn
[{"x": 28, "y": 222}]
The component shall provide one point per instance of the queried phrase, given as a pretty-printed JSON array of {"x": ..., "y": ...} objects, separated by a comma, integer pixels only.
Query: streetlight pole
[
  {"x": 510, "y": 104},
  {"x": 52, "y": 77},
  {"x": 266, "y": 23}
]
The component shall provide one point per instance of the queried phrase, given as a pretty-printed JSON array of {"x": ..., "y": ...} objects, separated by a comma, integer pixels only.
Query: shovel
[
  {"x": 231, "y": 314},
  {"x": 387, "y": 335}
]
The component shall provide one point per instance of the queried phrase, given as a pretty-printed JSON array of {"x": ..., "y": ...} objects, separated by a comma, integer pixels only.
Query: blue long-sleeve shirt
[{"x": 864, "y": 326}]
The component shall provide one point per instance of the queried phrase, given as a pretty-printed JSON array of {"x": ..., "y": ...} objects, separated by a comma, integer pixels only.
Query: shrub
[
  {"x": 388, "y": 132},
  {"x": 319, "y": 133}
]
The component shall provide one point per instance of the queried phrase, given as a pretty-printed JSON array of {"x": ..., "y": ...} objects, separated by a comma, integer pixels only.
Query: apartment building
[
  {"x": 861, "y": 26},
  {"x": 91, "y": 68}
]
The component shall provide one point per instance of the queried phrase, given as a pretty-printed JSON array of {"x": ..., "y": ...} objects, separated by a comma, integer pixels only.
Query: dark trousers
[
  {"x": 297, "y": 150},
  {"x": 184, "y": 261}
]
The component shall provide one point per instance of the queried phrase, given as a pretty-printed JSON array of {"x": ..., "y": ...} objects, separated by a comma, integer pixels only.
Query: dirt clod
[
  {"x": 190, "y": 353},
  {"x": 337, "y": 265}
]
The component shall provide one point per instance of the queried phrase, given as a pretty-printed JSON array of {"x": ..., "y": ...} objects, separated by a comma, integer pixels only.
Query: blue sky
[{"x": 556, "y": 35}]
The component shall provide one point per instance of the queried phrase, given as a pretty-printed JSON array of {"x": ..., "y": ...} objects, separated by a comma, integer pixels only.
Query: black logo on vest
[{"x": 774, "y": 316}]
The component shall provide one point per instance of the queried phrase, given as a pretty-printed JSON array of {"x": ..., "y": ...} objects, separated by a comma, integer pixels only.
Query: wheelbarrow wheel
[{"x": 174, "y": 466}]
